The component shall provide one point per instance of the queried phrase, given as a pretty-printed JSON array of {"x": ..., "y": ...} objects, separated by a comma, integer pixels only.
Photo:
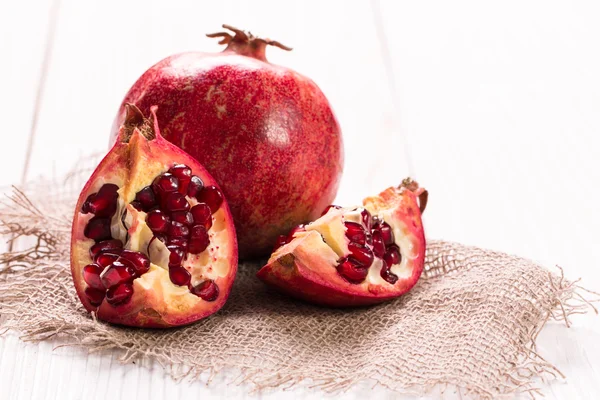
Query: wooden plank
[
  {"x": 500, "y": 107},
  {"x": 24, "y": 30}
]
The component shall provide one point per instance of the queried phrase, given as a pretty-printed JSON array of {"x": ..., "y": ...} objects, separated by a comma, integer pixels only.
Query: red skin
[
  {"x": 300, "y": 271},
  {"x": 147, "y": 308},
  {"x": 266, "y": 133}
]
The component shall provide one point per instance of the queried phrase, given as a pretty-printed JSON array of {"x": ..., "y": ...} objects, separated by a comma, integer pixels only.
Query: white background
[{"x": 493, "y": 106}]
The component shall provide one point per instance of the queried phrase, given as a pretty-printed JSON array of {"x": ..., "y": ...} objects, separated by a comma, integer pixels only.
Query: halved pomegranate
[
  {"x": 354, "y": 256},
  {"x": 153, "y": 242}
]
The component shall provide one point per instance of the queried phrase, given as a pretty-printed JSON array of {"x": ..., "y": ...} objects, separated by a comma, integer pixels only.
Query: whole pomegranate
[
  {"x": 153, "y": 242},
  {"x": 266, "y": 133},
  {"x": 354, "y": 256}
]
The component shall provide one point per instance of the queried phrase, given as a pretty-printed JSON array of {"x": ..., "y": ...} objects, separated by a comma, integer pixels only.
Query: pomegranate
[
  {"x": 354, "y": 256},
  {"x": 139, "y": 256},
  {"x": 266, "y": 133}
]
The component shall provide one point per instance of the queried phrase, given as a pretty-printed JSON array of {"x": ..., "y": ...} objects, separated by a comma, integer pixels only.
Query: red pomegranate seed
[
  {"x": 378, "y": 245},
  {"x": 91, "y": 276},
  {"x": 177, "y": 255},
  {"x": 179, "y": 275},
  {"x": 107, "y": 246},
  {"x": 119, "y": 294},
  {"x": 207, "y": 290},
  {"x": 366, "y": 219},
  {"x": 361, "y": 253},
  {"x": 355, "y": 232},
  {"x": 176, "y": 202},
  {"x": 177, "y": 229},
  {"x": 387, "y": 275},
  {"x": 281, "y": 240},
  {"x": 184, "y": 174},
  {"x": 184, "y": 217},
  {"x": 95, "y": 296},
  {"x": 195, "y": 186},
  {"x": 105, "y": 259},
  {"x": 329, "y": 208},
  {"x": 199, "y": 239},
  {"x": 299, "y": 228},
  {"x": 165, "y": 183},
  {"x": 139, "y": 261},
  {"x": 392, "y": 256},
  {"x": 103, "y": 203},
  {"x": 98, "y": 229},
  {"x": 352, "y": 270},
  {"x": 178, "y": 241},
  {"x": 202, "y": 215},
  {"x": 212, "y": 196},
  {"x": 157, "y": 221},
  {"x": 146, "y": 198},
  {"x": 137, "y": 205},
  {"x": 386, "y": 233},
  {"x": 116, "y": 274}
]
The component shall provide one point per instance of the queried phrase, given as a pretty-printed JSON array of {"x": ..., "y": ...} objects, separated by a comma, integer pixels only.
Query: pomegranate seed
[
  {"x": 361, "y": 253},
  {"x": 98, "y": 229},
  {"x": 329, "y": 208},
  {"x": 366, "y": 219},
  {"x": 91, "y": 276},
  {"x": 378, "y": 245},
  {"x": 392, "y": 255},
  {"x": 146, "y": 198},
  {"x": 388, "y": 275},
  {"x": 178, "y": 229},
  {"x": 137, "y": 205},
  {"x": 352, "y": 270},
  {"x": 212, "y": 196},
  {"x": 95, "y": 296},
  {"x": 386, "y": 233},
  {"x": 281, "y": 240},
  {"x": 165, "y": 183},
  {"x": 179, "y": 275},
  {"x": 116, "y": 274},
  {"x": 103, "y": 203},
  {"x": 139, "y": 261},
  {"x": 157, "y": 221},
  {"x": 105, "y": 259},
  {"x": 176, "y": 202},
  {"x": 184, "y": 174},
  {"x": 202, "y": 215},
  {"x": 207, "y": 290},
  {"x": 355, "y": 232},
  {"x": 110, "y": 246},
  {"x": 299, "y": 228},
  {"x": 184, "y": 217},
  {"x": 119, "y": 294},
  {"x": 199, "y": 240},
  {"x": 195, "y": 186},
  {"x": 177, "y": 255},
  {"x": 178, "y": 241}
]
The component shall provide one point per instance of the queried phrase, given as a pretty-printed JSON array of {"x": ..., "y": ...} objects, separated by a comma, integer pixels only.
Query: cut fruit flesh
[{"x": 356, "y": 255}]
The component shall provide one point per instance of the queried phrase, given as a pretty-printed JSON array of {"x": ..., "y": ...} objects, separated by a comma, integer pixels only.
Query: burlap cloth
[{"x": 471, "y": 321}]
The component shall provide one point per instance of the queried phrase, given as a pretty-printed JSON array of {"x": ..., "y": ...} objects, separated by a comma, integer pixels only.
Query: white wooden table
[{"x": 495, "y": 108}]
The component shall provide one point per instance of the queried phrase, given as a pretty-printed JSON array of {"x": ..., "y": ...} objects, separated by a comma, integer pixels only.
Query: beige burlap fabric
[{"x": 471, "y": 321}]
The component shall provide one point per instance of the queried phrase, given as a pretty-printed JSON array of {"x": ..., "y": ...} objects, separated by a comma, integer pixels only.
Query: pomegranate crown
[
  {"x": 245, "y": 43},
  {"x": 134, "y": 118}
]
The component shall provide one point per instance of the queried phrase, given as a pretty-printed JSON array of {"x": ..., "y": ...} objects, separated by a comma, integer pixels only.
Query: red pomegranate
[
  {"x": 354, "y": 256},
  {"x": 266, "y": 133},
  {"x": 153, "y": 242}
]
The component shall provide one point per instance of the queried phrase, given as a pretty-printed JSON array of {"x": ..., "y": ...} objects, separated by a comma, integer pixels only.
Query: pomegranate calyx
[
  {"x": 413, "y": 186},
  {"x": 245, "y": 43},
  {"x": 134, "y": 118}
]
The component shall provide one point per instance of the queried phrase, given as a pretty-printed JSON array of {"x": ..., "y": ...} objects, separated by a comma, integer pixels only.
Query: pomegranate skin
[{"x": 266, "y": 133}]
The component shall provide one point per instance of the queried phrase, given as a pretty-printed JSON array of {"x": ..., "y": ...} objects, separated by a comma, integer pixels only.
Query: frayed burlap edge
[{"x": 40, "y": 273}]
